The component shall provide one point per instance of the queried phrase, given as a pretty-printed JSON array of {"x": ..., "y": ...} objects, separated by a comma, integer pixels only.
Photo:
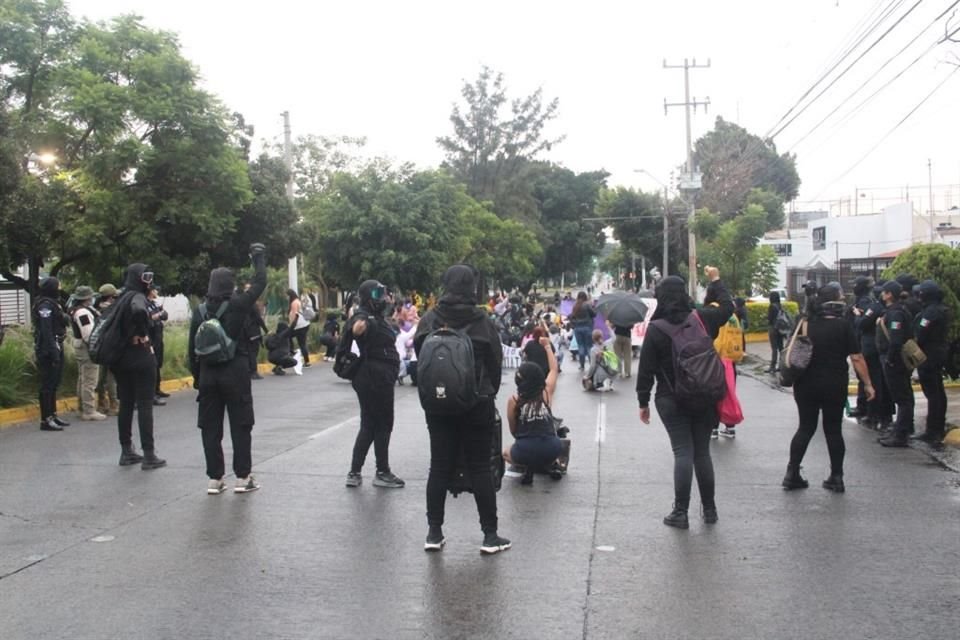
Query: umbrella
[{"x": 622, "y": 308}]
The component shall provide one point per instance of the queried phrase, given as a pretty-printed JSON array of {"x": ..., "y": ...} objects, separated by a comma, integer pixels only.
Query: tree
[
  {"x": 764, "y": 269},
  {"x": 935, "y": 262},
  {"x": 733, "y": 162},
  {"x": 316, "y": 159},
  {"x": 146, "y": 164},
  {"x": 490, "y": 151},
  {"x": 731, "y": 245}
]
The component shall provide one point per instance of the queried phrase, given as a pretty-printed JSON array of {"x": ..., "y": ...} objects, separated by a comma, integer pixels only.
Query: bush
[
  {"x": 18, "y": 370},
  {"x": 757, "y": 314}
]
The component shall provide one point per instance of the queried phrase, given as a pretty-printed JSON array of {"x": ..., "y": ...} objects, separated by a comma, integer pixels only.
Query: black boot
[
  {"x": 793, "y": 479},
  {"x": 129, "y": 455},
  {"x": 677, "y": 518},
  {"x": 151, "y": 461},
  {"x": 834, "y": 483},
  {"x": 49, "y": 425}
]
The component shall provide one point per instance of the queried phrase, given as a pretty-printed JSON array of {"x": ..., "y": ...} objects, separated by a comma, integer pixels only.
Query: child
[{"x": 600, "y": 375}]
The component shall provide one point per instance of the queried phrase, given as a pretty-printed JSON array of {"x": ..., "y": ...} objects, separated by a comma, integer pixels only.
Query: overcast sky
[{"x": 391, "y": 69}]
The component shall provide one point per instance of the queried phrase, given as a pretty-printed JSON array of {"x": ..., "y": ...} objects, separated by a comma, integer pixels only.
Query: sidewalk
[{"x": 757, "y": 361}]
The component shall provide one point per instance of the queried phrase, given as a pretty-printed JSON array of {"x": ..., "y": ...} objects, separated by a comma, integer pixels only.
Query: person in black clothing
[
  {"x": 822, "y": 388},
  {"x": 278, "y": 350},
  {"x": 158, "y": 316},
  {"x": 470, "y": 432},
  {"x": 253, "y": 330},
  {"x": 689, "y": 427},
  {"x": 374, "y": 384},
  {"x": 136, "y": 370},
  {"x": 773, "y": 333},
  {"x": 226, "y": 385},
  {"x": 581, "y": 317},
  {"x": 879, "y": 411},
  {"x": 908, "y": 298},
  {"x": 894, "y": 329},
  {"x": 932, "y": 324},
  {"x": 861, "y": 302},
  {"x": 331, "y": 333},
  {"x": 49, "y": 331}
]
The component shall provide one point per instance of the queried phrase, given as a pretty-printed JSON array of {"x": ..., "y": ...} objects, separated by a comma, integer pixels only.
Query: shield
[{"x": 622, "y": 308}]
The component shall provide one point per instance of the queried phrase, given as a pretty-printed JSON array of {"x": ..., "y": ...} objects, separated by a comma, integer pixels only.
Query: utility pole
[
  {"x": 930, "y": 194},
  {"x": 666, "y": 242},
  {"x": 691, "y": 179},
  {"x": 292, "y": 271}
]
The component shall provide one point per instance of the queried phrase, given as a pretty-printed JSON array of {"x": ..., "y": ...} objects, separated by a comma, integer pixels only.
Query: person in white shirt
[{"x": 83, "y": 318}]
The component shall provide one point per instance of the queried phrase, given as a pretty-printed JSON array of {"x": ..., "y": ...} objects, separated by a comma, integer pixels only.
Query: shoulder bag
[{"x": 795, "y": 358}]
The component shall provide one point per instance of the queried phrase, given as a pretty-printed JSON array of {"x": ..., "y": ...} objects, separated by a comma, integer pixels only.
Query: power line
[
  {"x": 877, "y": 72},
  {"x": 844, "y": 72},
  {"x": 890, "y": 132}
]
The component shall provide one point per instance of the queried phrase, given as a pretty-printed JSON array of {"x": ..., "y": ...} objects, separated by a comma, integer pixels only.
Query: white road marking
[
  {"x": 601, "y": 434},
  {"x": 353, "y": 420}
]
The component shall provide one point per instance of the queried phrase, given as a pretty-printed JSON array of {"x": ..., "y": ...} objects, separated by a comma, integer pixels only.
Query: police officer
[
  {"x": 880, "y": 410},
  {"x": 49, "y": 331},
  {"x": 861, "y": 302},
  {"x": 931, "y": 328},
  {"x": 226, "y": 386},
  {"x": 136, "y": 370},
  {"x": 83, "y": 318},
  {"x": 894, "y": 329},
  {"x": 374, "y": 384}
]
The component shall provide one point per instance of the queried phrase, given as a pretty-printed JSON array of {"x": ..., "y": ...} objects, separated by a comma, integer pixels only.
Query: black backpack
[
  {"x": 698, "y": 375},
  {"x": 460, "y": 481},
  {"x": 446, "y": 373},
  {"x": 211, "y": 344},
  {"x": 107, "y": 340}
]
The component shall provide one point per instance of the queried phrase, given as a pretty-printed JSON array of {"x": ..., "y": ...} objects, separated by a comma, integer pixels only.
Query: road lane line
[
  {"x": 601, "y": 434},
  {"x": 353, "y": 420}
]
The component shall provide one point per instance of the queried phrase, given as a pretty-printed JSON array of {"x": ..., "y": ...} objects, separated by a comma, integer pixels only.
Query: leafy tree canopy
[
  {"x": 935, "y": 262},
  {"x": 732, "y": 245}
]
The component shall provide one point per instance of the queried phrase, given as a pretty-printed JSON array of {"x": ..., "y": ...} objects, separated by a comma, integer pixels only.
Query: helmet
[{"x": 373, "y": 295}]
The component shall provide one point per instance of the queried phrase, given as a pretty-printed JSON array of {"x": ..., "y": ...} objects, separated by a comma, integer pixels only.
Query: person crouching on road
[
  {"x": 226, "y": 385},
  {"x": 374, "y": 384},
  {"x": 136, "y": 370},
  {"x": 822, "y": 388},
  {"x": 687, "y": 425},
  {"x": 600, "y": 376},
  {"x": 83, "y": 317},
  {"x": 531, "y": 422},
  {"x": 470, "y": 432},
  {"x": 49, "y": 330}
]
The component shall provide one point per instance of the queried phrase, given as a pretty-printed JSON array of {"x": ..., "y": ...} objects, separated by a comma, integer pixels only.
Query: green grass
[{"x": 18, "y": 371}]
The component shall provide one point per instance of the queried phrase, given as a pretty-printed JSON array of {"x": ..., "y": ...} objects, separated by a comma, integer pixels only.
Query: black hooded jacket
[
  {"x": 49, "y": 321},
  {"x": 222, "y": 288},
  {"x": 457, "y": 309},
  {"x": 932, "y": 324},
  {"x": 674, "y": 305},
  {"x": 133, "y": 304}
]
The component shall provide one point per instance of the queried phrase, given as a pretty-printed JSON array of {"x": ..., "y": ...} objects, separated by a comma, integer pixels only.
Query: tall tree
[
  {"x": 732, "y": 245},
  {"x": 489, "y": 150},
  {"x": 734, "y": 161}
]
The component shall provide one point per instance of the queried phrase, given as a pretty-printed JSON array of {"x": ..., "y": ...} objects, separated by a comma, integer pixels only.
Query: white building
[{"x": 815, "y": 251}]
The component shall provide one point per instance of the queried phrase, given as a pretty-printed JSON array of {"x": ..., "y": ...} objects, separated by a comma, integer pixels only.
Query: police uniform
[
  {"x": 879, "y": 411},
  {"x": 899, "y": 328},
  {"x": 83, "y": 318},
  {"x": 225, "y": 387},
  {"x": 49, "y": 332},
  {"x": 931, "y": 326}
]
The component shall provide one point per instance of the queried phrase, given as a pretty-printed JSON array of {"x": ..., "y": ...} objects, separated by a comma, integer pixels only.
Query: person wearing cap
[
  {"x": 894, "y": 329},
  {"x": 107, "y": 401},
  {"x": 136, "y": 370},
  {"x": 49, "y": 331},
  {"x": 821, "y": 391},
  {"x": 83, "y": 317},
  {"x": 908, "y": 298},
  {"x": 932, "y": 325},
  {"x": 374, "y": 384},
  {"x": 879, "y": 411},
  {"x": 470, "y": 432},
  {"x": 158, "y": 316}
]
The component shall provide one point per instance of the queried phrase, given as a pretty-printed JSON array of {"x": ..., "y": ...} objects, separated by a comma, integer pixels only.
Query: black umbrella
[{"x": 622, "y": 308}]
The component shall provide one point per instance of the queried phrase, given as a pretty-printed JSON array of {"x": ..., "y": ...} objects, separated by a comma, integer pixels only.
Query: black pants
[
  {"x": 300, "y": 335},
  {"x": 157, "y": 343},
  {"x": 253, "y": 350},
  {"x": 689, "y": 432},
  {"x": 226, "y": 387},
  {"x": 816, "y": 396},
  {"x": 51, "y": 372},
  {"x": 881, "y": 408},
  {"x": 473, "y": 434},
  {"x": 901, "y": 392},
  {"x": 931, "y": 381},
  {"x": 776, "y": 345},
  {"x": 374, "y": 387},
  {"x": 136, "y": 375}
]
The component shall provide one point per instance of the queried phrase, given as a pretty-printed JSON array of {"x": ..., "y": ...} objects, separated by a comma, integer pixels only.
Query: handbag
[
  {"x": 913, "y": 356},
  {"x": 795, "y": 358},
  {"x": 729, "y": 411},
  {"x": 346, "y": 364}
]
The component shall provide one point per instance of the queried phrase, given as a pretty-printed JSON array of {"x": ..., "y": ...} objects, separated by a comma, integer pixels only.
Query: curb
[{"x": 15, "y": 416}]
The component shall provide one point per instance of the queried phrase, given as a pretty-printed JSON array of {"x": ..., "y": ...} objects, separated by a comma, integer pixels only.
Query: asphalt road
[{"x": 92, "y": 550}]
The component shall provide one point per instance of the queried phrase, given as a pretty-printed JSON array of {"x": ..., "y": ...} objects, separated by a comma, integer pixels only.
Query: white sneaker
[
  {"x": 298, "y": 368},
  {"x": 608, "y": 384},
  {"x": 246, "y": 485},
  {"x": 96, "y": 415},
  {"x": 216, "y": 487}
]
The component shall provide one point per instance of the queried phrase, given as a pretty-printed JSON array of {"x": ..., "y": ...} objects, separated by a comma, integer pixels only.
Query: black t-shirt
[{"x": 833, "y": 340}]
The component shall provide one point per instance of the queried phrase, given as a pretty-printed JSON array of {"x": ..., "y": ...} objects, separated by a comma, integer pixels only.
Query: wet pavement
[{"x": 92, "y": 550}]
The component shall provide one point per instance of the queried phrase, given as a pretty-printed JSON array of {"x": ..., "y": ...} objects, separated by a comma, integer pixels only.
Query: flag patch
[
  {"x": 924, "y": 322},
  {"x": 895, "y": 325}
]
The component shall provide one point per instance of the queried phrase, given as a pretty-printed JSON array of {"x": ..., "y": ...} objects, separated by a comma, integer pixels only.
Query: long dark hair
[
  {"x": 578, "y": 305},
  {"x": 292, "y": 295}
]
